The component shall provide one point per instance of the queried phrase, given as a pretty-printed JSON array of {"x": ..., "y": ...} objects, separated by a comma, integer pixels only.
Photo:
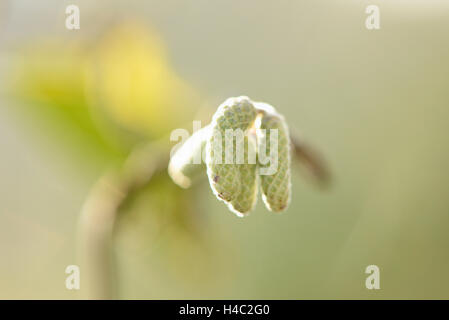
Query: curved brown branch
[{"x": 99, "y": 215}]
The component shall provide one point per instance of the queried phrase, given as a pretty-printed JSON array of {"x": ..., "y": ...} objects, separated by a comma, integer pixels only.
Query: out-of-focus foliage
[
  {"x": 96, "y": 100},
  {"x": 132, "y": 81},
  {"x": 99, "y": 97},
  {"x": 49, "y": 79}
]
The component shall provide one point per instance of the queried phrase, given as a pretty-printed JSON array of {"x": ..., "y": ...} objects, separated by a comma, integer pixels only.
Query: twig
[
  {"x": 312, "y": 161},
  {"x": 99, "y": 216}
]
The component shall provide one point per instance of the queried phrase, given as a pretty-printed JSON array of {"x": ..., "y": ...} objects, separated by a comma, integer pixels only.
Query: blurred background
[{"x": 75, "y": 103}]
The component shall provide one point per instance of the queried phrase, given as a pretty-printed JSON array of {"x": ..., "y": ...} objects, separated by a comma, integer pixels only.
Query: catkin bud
[
  {"x": 240, "y": 132},
  {"x": 231, "y": 155},
  {"x": 274, "y": 165}
]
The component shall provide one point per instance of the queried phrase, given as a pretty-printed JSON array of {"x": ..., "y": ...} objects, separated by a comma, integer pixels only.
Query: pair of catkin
[{"x": 236, "y": 182}]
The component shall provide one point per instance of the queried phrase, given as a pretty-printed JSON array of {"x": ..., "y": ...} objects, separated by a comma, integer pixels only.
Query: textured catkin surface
[
  {"x": 234, "y": 183},
  {"x": 275, "y": 187}
]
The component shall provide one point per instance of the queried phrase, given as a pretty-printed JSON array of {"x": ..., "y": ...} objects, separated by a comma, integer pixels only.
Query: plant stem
[{"x": 99, "y": 215}]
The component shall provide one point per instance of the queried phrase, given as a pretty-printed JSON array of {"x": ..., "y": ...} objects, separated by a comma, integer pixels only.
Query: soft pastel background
[{"x": 375, "y": 103}]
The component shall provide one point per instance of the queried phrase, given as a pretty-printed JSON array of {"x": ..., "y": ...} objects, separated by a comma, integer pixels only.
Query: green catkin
[
  {"x": 234, "y": 183},
  {"x": 234, "y": 177},
  {"x": 276, "y": 187}
]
